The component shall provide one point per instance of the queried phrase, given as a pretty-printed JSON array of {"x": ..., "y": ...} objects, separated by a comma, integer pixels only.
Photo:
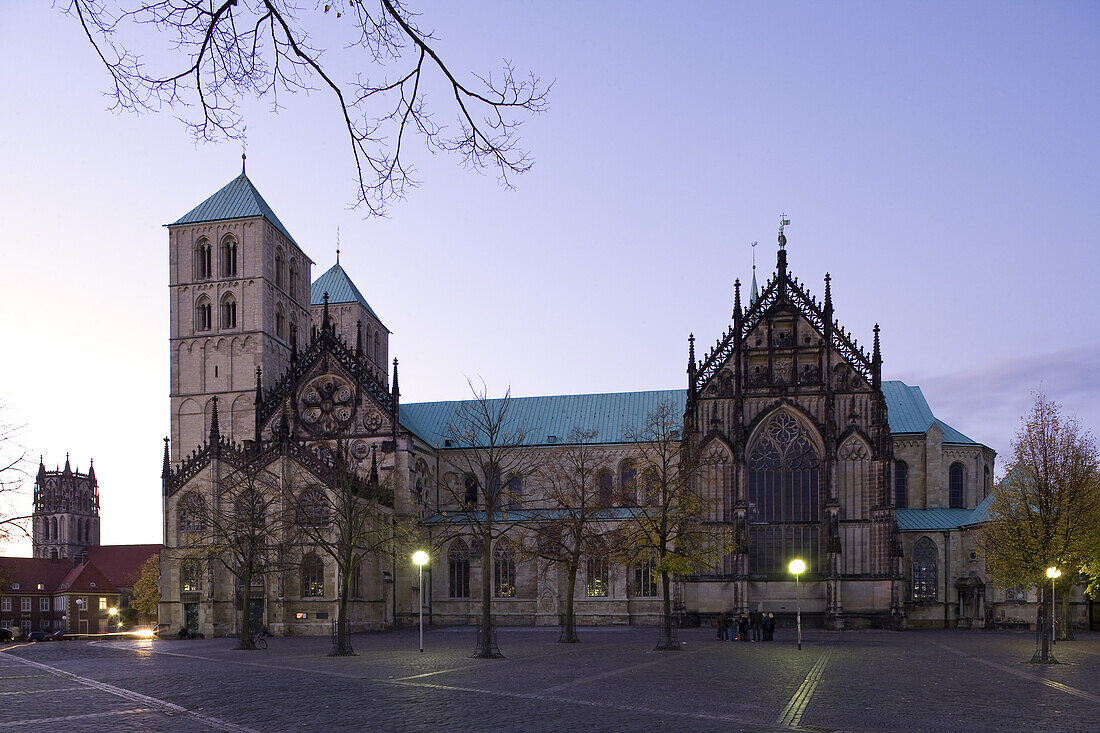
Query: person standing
[
  {"x": 723, "y": 624},
  {"x": 743, "y": 627},
  {"x": 756, "y": 619},
  {"x": 769, "y": 627}
]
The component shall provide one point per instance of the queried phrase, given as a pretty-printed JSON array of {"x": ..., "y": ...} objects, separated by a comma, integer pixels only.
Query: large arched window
[
  {"x": 190, "y": 576},
  {"x": 204, "y": 320},
  {"x": 504, "y": 570},
  {"x": 229, "y": 257},
  {"x": 470, "y": 495},
  {"x": 313, "y": 508},
  {"x": 280, "y": 263},
  {"x": 645, "y": 576},
  {"x": 597, "y": 580},
  {"x": 458, "y": 570},
  {"x": 924, "y": 570},
  {"x": 313, "y": 576},
  {"x": 901, "y": 484},
  {"x": 956, "y": 482},
  {"x": 605, "y": 488},
  {"x": 784, "y": 501},
  {"x": 189, "y": 513},
  {"x": 513, "y": 492},
  {"x": 203, "y": 261},
  {"x": 628, "y": 481},
  {"x": 229, "y": 311}
]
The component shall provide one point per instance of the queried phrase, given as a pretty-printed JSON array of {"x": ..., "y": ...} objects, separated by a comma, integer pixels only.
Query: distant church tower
[
  {"x": 66, "y": 512},
  {"x": 240, "y": 301}
]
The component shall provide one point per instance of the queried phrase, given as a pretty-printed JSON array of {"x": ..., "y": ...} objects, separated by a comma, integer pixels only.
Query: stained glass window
[
  {"x": 924, "y": 570},
  {"x": 458, "y": 569}
]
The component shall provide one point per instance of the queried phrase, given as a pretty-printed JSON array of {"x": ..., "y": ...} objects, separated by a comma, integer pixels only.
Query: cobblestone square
[{"x": 612, "y": 680}]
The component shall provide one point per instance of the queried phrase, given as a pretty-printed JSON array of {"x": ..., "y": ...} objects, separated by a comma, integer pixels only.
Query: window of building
[
  {"x": 645, "y": 576},
  {"x": 5, "y": 604},
  {"x": 102, "y": 603},
  {"x": 45, "y": 624},
  {"x": 357, "y": 580},
  {"x": 513, "y": 491},
  {"x": 189, "y": 513},
  {"x": 43, "y": 604},
  {"x": 280, "y": 321},
  {"x": 313, "y": 509},
  {"x": 924, "y": 570},
  {"x": 956, "y": 483},
  {"x": 470, "y": 497},
  {"x": 292, "y": 281},
  {"x": 25, "y": 625},
  {"x": 377, "y": 348},
  {"x": 25, "y": 604},
  {"x": 1016, "y": 593},
  {"x": 504, "y": 570},
  {"x": 15, "y": 586},
  {"x": 651, "y": 488},
  {"x": 59, "y": 603},
  {"x": 458, "y": 570},
  {"x": 605, "y": 484},
  {"x": 190, "y": 576},
  {"x": 313, "y": 576},
  {"x": 292, "y": 333},
  {"x": 628, "y": 480},
  {"x": 203, "y": 314},
  {"x": 203, "y": 270},
  {"x": 229, "y": 257},
  {"x": 987, "y": 483},
  {"x": 229, "y": 311},
  {"x": 280, "y": 278},
  {"x": 784, "y": 501},
  {"x": 901, "y": 484},
  {"x": 596, "y": 579}
]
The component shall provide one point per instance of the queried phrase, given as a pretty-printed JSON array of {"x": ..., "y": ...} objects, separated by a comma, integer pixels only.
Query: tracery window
[
  {"x": 203, "y": 269},
  {"x": 229, "y": 311},
  {"x": 956, "y": 483},
  {"x": 312, "y": 508},
  {"x": 651, "y": 490},
  {"x": 924, "y": 570},
  {"x": 605, "y": 483},
  {"x": 504, "y": 570},
  {"x": 313, "y": 576},
  {"x": 229, "y": 257},
  {"x": 628, "y": 480},
  {"x": 189, "y": 513},
  {"x": 987, "y": 484},
  {"x": 645, "y": 576},
  {"x": 901, "y": 484},
  {"x": 784, "y": 500},
  {"x": 596, "y": 579},
  {"x": 190, "y": 576},
  {"x": 470, "y": 496},
  {"x": 458, "y": 570}
]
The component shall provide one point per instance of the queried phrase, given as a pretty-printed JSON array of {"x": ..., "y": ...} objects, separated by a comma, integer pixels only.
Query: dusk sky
[{"x": 939, "y": 159}]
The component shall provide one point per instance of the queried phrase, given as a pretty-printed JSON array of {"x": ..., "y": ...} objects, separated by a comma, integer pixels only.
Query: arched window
[
  {"x": 901, "y": 484},
  {"x": 189, "y": 513},
  {"x": 229, "y": 257},
  {"x": 229, "y": 311},
  {"x": 924, "y": 570},
  {"x": 377, "y": 348},
  {"x": 596, "y": 583},
  {"x": 458, "y": 570},
  {"x": 605, "y": 484},
  {"x": 357, "y": 580},
  {"x": 280, "y": 276},
  {"x": 651, "y": 489},
  {"x": 203, "y": 269},
  {"x": 313, "y": 508},
  {"x": 470, "y": 498},
  {"x": 190, "y": 576},
  {"x": 204, "y": 320},
  {"x": 645, "y": 576},
  {"x": 628, "y": 481},
  {"x": 784, "y": 501},
  {"x": 53, "y": 529},
  {"x": 313, "y": 577},
  {"x": 504, "y": 570},
  {"x": 280, "y": 321},
  {"x": 513, "y": 492},
  {"x": 293, "y": 332},
  {"x": 292, "y": 281},
  {"x": 956, "y": 481},
  {"x": 987, "y": 484}
]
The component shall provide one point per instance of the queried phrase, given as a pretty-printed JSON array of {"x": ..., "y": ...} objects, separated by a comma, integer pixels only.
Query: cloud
[{"x": 987, "y": 403}]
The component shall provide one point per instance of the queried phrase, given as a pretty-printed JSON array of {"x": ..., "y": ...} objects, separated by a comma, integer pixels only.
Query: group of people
[{"x": 760, "y": 625}]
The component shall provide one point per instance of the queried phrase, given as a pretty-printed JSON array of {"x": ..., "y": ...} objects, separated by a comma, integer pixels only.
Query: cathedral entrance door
[
  {"x": 191, "y": 617},
  {"x": 256, "y": 614}
]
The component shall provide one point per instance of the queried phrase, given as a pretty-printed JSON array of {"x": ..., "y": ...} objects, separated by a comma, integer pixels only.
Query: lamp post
[
  {"x": 798, "y": 567},
  {"x": 112, "y": 614},
  {"x": 420, "y": 557},
  {"x": 1052, "y": 573}
]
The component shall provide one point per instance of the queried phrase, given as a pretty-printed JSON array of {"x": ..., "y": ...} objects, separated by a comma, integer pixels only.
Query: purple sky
[{"x": 939, "y": 159}]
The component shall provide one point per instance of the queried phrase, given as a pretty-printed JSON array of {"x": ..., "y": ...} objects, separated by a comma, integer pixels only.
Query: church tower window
[
  {"x": 229, "y": 311},
  {"x": 924, "y": 570},
  {"x": 901, "y": 485},
  {"x": 292, "y": 282},
  {"x": 229, "y": 257},
  {"x": 784, "y": 500},
  {"x": 203, "y": 315},
  {"x": 280, "y": 279},
  {"x": 203, "y": 270},
  {"x": 956, "y": 483},
  {"x": 280, "y": 322}
]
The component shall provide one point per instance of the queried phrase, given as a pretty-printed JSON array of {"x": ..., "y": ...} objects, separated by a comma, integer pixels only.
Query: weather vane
[
  {"x": 338, "y": 245},
  {"x": 784, "y": 221},
  {"x": 754, "y": 254}
]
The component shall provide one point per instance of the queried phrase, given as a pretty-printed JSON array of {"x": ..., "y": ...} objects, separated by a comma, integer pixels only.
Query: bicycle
[{"x": 259, "y": 642}]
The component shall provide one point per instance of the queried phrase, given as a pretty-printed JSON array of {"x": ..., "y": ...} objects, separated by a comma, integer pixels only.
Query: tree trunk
[
  {"x": 1042, "y": 626},
  {"x": 569, "y": 633},
  {"x": 667, "y": 643},
  {"x": 244, "y": 632},
  {"x": 1066, "y": 632},
  {"x": 343, "y": 645},
  {"x": 486, "y": 649}
]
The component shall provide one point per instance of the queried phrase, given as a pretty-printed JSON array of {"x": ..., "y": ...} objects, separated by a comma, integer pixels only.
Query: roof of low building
[
  {"x": 238, "y": 199},
  {"x": 340, "y": 289},
  {"x": 121, "y": 563},
  {"x": 56, "y": 576},
  {"x": 939, "y": 519}
]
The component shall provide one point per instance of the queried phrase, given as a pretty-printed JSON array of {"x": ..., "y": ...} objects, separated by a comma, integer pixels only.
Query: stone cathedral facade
[{"x": 808, "y": 453}]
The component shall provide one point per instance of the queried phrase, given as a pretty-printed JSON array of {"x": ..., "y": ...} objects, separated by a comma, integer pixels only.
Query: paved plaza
[{"x": 613, "y": 680}]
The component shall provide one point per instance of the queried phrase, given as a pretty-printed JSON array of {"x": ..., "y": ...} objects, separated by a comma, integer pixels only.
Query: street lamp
[
  {"x": 1052, "y": 573},
  {"x": 798, "y": 567},
  {"x": 420, "y": 557}
]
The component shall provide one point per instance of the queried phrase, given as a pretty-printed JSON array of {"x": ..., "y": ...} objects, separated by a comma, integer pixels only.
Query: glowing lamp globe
[
  {"x": 420, "y": 557},
  {"x": 1053, "y": 573},
  {"x": 797, "y": 567}
]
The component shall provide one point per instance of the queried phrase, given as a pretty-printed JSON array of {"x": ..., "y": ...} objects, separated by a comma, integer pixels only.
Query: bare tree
[
  {"x": 13, "y": 522},
  {"x": 495, "y": 465},
  {"x": 1045, "y": 511},
  {"x": 216, "y": 53},
  {"x": 347, "y": 517},
  {"x": 574, "y": 515},
  {"x": 667, "y": 522},
  {"x": 243, "y": 529}
]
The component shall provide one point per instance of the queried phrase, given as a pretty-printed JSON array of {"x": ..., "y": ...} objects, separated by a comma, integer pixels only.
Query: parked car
[
  {"x": 36, "y": 636},
  {"x": 58, "y": 635},
  {"x": 6, "y": 635}
]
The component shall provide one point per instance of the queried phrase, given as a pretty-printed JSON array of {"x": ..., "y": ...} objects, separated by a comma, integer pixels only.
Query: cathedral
[{"x": 808, "y": 452}]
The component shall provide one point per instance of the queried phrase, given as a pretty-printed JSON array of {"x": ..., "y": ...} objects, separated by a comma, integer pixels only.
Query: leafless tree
[
  {"x": 666, "y": 522},
  {"x": 495, "y": 466},
  {"x": 347, "y": 517},
  {"x": 13, "y": 522},
  {"x": 573, "y": 514},
  {"x": 216, "y": 52}
]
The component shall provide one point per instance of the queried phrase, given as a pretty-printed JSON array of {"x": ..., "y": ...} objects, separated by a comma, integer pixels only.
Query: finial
[
  {"x": 359, "y": 338},
  {"x": 259, "y": 386},
  {"x": 338, "y": 245},
  {"x": 784, "y": 221},
  {"x": 324, "y": 313},
  {"x": 396, "y": 389},
  {"x": 215, "y": 431},
  {"x": 828, "y": 293},
  {"x": 374, "y": 465},
  {"x": 737, "y": 298},
  {"x": 166, "y": 468},
  {"x": 67, "y": 469},
  {"x": 244, "y": 157},
  {"x": 876, "y": 361}
]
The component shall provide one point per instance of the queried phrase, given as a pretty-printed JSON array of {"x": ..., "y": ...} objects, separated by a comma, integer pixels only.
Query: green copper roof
[
  {"x": 909, "y": 412},
  {"x": 238, "y": 199},
  {"x": 931, "y": 520},
  {"x": 611, "y": 415},
  {"x": 340, "y": 289}
]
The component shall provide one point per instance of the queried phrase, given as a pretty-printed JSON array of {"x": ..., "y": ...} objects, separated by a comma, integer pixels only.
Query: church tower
[
  {"x": 240, "y": 295},
  {"x": 66, "y": 512}
]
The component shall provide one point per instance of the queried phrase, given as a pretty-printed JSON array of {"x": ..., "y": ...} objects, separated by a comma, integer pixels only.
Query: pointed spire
[
  {"x": 67, "y": 469},
  {"x": 215, "y": 431},
  {"x": 91, "y": 469},
  {"x": 396, "y": 390},
  {"x": 324, "y": 312},
  {"x": 337, "y": 245},
  {"x": 259, "y": 386},
  {"x": 374, "y": 465},
  {"x": 737, "y": 298},
  {"x": 359, "y": 339},
  {"x": 754, "y": 293},
  {"x": 876, "y": 361},
  {"x": 828, "y": 294},
  {"x": 166, "y": 468}
]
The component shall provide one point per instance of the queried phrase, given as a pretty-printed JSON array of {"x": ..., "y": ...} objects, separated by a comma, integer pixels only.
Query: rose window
[{"x": 327, "y": 404}]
